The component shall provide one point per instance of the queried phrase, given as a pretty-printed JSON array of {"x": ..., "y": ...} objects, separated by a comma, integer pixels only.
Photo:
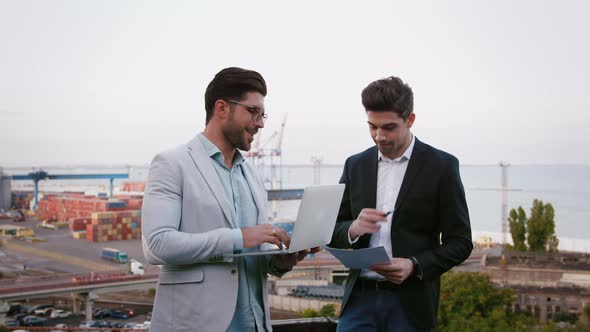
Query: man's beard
[
  {"x": 236, "y": 135},
  {"x": 236, "y": 138}
]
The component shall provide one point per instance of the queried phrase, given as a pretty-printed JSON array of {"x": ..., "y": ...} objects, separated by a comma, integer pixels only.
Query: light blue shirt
[{"x": 249, "y": 311}]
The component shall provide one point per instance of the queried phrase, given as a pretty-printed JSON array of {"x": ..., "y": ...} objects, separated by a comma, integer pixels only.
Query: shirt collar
[
  {"x": 214, "y": 153},
  {"x": 405, "y": 156}
]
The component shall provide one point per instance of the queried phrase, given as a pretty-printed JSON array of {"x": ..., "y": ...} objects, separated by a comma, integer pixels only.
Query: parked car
[
  {"x": 21, "y": 318},
  {"x": 119, "y": 324},
  {"x": 40, "y": 306},
  {"x": 101, "y": 313},
  {"x": 119, "y": 315},
  {"x": 88, "y": 323},
  {"x": 17, "y": 308},
  {"x": 34, "y": 321},
  {"x": 58, "y": 313},
  {"x": 43, "y": 311},
  {"x": 11, "y": 322},
  {"x": 134, "y": 326},
  {"x": 141, "y": 327},
  {"x": 129, "y": 311},
  {"x": 104, "y": 323},
  {"x": 60, "y": 326}
]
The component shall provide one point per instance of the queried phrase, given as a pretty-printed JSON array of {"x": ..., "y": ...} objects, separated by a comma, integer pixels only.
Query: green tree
[
  {"x": 536, "y": 233},
  {"x": 471, "y": 302},
  {"x": 566, "y": 317},
  {"x": 309, "y": 313},
  {"x": 328, "y": 310},
  {"x": 541, "y": 226},
  {"x": 517, "y": 222}
]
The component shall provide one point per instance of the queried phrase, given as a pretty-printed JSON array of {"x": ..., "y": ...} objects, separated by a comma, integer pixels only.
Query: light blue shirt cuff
[{"x": 238, "y": 240}]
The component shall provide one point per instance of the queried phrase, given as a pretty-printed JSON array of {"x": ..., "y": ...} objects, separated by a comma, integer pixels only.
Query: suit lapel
[
  {"x": 414, "y": 166},
  {"x": 203, "y": 163},
  {"x": 368, "y": 177},
  {"x": 371, "y": 182}
]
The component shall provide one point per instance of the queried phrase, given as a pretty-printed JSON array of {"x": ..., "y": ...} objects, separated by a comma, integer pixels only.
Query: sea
[{"x": 566, "y": 187}]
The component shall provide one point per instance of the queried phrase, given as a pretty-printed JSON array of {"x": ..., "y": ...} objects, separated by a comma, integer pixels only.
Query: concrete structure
[
  {"x": 284, "y": 287},
  {"x": 86, "y": 290},
  {"x": 483, "y": 242},
  {"x": 298, "y": 304},
  {"x": 539, "y": 269},
  {"x": 546, "y": 284},
  {"x": 5, "y": 193},
  {"x": 546, "y": 303}
]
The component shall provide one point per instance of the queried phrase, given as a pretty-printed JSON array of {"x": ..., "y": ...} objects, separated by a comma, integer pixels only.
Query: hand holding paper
[
  {"x": 360, "y": 258},
  {"x": 396, "y": 271}
]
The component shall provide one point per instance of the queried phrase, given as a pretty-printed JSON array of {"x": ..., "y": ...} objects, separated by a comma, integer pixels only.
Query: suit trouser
[{"x": 374, "y": 309}]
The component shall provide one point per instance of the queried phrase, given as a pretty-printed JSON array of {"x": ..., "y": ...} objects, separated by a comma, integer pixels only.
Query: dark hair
[
  {"x": 232, "y": 83},
  {"x": 389, "y": 94}
]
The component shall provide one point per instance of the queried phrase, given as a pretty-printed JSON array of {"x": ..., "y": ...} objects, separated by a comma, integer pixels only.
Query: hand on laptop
[
  {"x": 286, "y": 262},
  {"x": 256, "y": 235},
  {"x": 366, "y": 223}
]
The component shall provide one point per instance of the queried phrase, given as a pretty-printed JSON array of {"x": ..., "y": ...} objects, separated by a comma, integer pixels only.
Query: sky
[{"x": 116, "y": 82}]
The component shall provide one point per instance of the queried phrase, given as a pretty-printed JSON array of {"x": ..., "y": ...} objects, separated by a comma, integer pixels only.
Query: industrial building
[{"x": 5, "y": 194}]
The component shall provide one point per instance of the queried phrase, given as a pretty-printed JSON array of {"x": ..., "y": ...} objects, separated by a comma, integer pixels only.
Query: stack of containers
[
  {"x": 68, "y": 206},
  {"x": 134, "y": 202},
  {"x": 64, "y": 208},
  {"x": 79, "y": 224},
  {"x": 78, "y": 227},
  {"x": 109, "y": 226},
  {"x": 93, "y": 218},
  {"x": 134, "y": 186},
  {"x": 22, "y": 199}
]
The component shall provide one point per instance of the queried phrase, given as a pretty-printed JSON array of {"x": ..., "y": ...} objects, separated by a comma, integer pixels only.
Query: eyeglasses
[{"x": 255, "y": 111}]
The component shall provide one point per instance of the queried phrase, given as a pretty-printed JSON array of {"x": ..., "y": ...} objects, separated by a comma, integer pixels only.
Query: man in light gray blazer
[{"x": 202, "y": 202}]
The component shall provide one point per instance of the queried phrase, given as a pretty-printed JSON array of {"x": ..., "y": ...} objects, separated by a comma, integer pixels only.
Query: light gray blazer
[{"x": 186, "y": 222}]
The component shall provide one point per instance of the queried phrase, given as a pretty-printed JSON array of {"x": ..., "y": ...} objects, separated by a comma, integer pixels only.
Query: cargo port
[
  {"x": 53, "y": 240},
  {"x": 59, "y": 248}
]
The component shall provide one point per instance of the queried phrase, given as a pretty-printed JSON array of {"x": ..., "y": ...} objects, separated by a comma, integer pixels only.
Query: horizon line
[{"x": 303, "y": 165}]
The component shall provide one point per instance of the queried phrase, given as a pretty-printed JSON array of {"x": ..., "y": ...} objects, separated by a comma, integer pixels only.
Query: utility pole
[
  {"x": 504, "y": 167},
  {"x": 317, "y": 163},
  {"x": 503, "y": 258}
]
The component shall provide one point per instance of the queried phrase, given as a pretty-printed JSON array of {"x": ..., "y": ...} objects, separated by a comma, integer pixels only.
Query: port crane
[
  {"x": 260, "y": 151},
  {"x": 43, "y": 175}
]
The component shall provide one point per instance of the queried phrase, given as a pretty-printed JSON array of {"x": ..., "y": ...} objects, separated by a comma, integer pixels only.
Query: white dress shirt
[{"x": 390, "y": 175}]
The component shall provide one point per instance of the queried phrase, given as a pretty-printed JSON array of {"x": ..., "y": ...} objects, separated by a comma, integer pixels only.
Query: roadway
[
  {"x": 54, "y": 254},
  {"x": 78, "y": 283}
]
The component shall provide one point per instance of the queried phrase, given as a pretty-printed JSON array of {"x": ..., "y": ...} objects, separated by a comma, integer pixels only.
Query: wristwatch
[{"x": 276, "y": 271}]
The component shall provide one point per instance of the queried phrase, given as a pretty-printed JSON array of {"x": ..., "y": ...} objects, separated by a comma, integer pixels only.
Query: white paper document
[{"x": 360, "y": 258}]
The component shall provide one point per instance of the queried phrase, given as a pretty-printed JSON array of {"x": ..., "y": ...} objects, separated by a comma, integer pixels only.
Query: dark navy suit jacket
[{"x": 430, "y": 222}]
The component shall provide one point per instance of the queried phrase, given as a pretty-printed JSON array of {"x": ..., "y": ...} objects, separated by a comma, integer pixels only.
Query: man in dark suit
[{"x": 408, "y": 197}]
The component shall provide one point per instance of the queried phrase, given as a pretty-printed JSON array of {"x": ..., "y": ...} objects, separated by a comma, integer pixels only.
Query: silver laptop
[{"x": 315, "y": 222}]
